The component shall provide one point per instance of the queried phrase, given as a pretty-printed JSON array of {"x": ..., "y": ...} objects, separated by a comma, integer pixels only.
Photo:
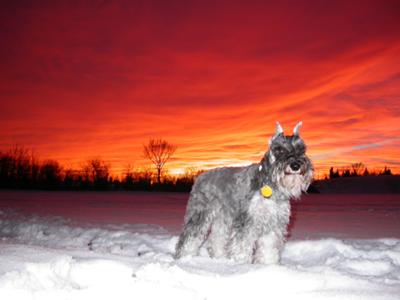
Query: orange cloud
[{"x": 82, "y": 80}]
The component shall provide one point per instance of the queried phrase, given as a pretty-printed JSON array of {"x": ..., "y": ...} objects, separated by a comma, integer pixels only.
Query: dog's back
[{"x": 221, "y": 189}]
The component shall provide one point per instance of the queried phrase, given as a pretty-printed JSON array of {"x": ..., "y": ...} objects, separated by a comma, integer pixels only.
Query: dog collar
[{"x": 266, "y": 191}]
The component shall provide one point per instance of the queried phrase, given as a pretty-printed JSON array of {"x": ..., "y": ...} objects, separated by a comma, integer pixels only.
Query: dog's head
[{"x": 287, "y": 163}]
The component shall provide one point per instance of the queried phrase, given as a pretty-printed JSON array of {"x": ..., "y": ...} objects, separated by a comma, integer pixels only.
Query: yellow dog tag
[{"x": 266, "y": 191}]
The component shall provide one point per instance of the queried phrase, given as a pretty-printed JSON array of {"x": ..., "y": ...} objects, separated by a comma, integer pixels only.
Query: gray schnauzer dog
[{"x": 243, "y": 213}]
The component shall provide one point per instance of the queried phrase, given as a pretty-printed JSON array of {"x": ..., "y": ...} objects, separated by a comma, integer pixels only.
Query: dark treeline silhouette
[
  {"x": 21, "y": 169},
  {"x": 356, "y": 169}
]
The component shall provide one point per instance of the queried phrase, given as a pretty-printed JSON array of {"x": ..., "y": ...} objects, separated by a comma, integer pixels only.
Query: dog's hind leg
[
  {"x": 218, "y": 237},
  {"x": 194, "y": 234}
]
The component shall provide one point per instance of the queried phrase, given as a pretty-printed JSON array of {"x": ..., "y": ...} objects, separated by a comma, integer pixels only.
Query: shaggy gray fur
[{"x": 227, "y": 213}]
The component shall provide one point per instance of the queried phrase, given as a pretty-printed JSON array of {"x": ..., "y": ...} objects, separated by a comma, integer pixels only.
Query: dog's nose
[{"x": 295, "y": 166}]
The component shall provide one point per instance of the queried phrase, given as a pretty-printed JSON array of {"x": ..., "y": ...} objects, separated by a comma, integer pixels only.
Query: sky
[{"x": 84, "y": 79}]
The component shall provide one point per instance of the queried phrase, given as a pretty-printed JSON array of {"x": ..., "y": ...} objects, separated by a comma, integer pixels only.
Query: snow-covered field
[{"x": 119, "y": 245}]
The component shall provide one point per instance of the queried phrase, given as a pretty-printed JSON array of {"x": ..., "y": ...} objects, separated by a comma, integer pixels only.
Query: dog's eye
[{"x": 279, "y": 150}]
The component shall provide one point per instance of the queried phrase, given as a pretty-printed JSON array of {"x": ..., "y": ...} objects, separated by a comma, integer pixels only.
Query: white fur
[
  {"x": 271, "y": 158},
  {"x": 218, "y": 237},
  {"x": 297, "y": 128},
  {"x": 268, "y": 213},
  {"x": 268, "y": 249}
]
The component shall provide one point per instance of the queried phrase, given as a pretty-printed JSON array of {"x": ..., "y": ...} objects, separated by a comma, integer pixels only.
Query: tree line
[
  {"x": 21, "y": 169},
  {"x": 357, "y": 169}
]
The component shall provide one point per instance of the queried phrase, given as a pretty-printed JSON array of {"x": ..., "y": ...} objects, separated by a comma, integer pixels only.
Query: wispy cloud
[
  {"x": 101, "y": 79},
  {"x": 342, "y": 150}
]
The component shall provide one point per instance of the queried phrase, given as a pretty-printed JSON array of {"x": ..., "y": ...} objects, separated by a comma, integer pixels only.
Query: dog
[{"x": 243, "y": 213}]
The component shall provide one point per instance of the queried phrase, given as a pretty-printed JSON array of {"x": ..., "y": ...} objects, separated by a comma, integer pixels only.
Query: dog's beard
[{"x": 294, "y": 183}]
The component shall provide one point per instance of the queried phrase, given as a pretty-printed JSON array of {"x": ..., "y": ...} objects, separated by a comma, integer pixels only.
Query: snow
[{"x": 120, "y": 245}]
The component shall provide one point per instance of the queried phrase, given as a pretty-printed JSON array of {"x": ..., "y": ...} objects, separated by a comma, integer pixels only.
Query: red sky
[{"x": 99, "y": 78}]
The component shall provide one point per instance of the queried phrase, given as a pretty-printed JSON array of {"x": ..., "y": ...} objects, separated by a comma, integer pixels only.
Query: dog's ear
[
  {"x": 278, "y": 131},
  {"x": 297, "y": 128}
]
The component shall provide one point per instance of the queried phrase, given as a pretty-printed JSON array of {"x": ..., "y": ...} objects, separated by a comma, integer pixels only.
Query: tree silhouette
[
  {"x": 357, "y": 168},
  {"x": 50, "y": 174},
  {"x": 158, "y": 151},
  {"x": 128, "y": 178},
  {"x": 96, "y": 172},
  {"x": 386, "y": 171},
  {"x": 19, "y": 168},
  {"x": 333, "y": 173}
]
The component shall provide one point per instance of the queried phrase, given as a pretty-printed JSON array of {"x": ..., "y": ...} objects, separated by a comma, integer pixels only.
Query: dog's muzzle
[{"x": 295, "y": 168}]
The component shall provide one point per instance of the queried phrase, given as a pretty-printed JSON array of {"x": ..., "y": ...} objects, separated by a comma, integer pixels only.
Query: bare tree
[
  {"x": 358, "y": 168},
  {"x": 158, "y": 151},
  {"x": 96, "y": 172}
]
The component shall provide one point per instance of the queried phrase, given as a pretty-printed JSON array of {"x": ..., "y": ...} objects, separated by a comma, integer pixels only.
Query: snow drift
[{"x": 56, "y": 258}]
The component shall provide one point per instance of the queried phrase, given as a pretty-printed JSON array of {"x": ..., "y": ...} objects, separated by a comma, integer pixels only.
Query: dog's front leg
[
  {"x": 268, "y": 249},
  {"x": 241, "y": 243}
]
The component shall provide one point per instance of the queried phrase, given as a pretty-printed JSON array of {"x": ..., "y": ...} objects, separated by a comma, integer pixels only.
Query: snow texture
[{"x": 50, "y": 257}]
